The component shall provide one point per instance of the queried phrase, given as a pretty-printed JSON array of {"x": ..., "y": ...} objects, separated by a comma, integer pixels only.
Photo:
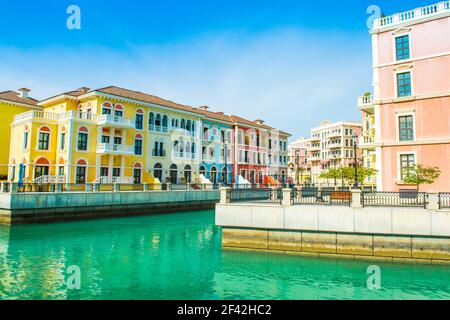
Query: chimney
[
  {"x": 204, "y": 108},
  {"x": 23, "y": 92},
  {"x": 259, "y": 121},
  {"x": 84, "y": 89}
]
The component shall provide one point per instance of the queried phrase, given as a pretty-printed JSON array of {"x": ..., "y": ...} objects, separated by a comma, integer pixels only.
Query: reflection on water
[{"x": 178, "y": 256}]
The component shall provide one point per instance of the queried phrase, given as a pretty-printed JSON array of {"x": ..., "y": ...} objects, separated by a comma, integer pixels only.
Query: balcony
[
  {"x": 314, "y": 148},
  {"x": 157, "y": 128},
  {"x": 115, "y": 149},
  {"x": 109, "y": 120},
  {"x": 334, "y": 145},
  {"x": 365, "y": 103},
  {"x": 412, "y": 15}
]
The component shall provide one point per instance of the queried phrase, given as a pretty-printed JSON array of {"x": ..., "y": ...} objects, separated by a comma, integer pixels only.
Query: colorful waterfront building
[
  {"x": 332, "y": 145},
  {"x": 407, "y": 116},
  {"x": 11, "y": 103},
  {"x": 217, "y": 145},
  {"x": 115, "y": 135},
  {"x": 260, "y": 152},
  {"x": 299, "y": 169},
  {"x": 108, "y": 135}
]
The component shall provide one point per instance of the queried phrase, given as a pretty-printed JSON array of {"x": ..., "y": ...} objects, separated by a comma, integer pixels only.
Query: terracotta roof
[
  {"x": 145, "y": 97},
  {"x": 137, "y": 95},
  {"x": 15, "y": 97}
]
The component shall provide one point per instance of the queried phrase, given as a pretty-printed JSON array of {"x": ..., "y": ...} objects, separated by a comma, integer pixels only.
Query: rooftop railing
[{"x": 412, "y": 15}]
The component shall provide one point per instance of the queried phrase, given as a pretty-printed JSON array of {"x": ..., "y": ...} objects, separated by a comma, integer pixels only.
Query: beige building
[{"x": 332, "y": 146}]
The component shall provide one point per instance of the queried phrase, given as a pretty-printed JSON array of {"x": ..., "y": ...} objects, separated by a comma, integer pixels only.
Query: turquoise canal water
[{"x": 179, "y": 256}]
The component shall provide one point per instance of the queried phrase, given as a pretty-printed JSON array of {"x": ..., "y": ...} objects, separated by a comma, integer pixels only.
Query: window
[
  {"x": 62, "y": 141},
  {"x": 44, "y": 138},
  {"x": 402, "y": 47},
  {"x": 80, "y": 176},
  {"x": 82, "y": 139},
  {"x": 407, "y": 162},
  {"x": 406, "y": 128},
  {"x": 138, "y": 146},
  {"x": 137, "y": 175},
  {"x": 105, "y": 139},
  {"x": 13, "y": 173},
  {"x": 41, "y": 171},
  {"x": 61, "y": 171},
  {"x": 404, "y": 84},
  {"x": 104, "y": 172},
  {"x": 116, "y": 172},
  {"x": 139, "y": 121},
  {"x": 118, "y": 140},
  {"x": 25, "y": 140}
]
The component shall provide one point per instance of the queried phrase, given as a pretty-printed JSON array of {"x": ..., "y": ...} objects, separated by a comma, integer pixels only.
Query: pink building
[{"x": 410, "y": 105}]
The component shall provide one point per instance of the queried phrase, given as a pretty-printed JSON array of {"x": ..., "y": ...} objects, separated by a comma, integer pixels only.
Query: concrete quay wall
[
  {"x": 403, "y": 234},
  {"x": 47, "y": 207}
]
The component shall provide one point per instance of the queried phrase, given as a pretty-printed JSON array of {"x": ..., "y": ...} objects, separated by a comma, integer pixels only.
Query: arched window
[
  {"x": 138, "y": 145},
  {"x": 158, "y": 122},
  {"x": 203, "y": 170},
  {"x": 183, "y": 124},
  {"x": 41, "y": 168},
  {"x": 106, "y": 108},
  {"x": 213, "y": 175},
  {"x": 44, "y": 138},
  {"x": 165, "y": 121},
  {"x": 81, "y": 171},
  {"x": 187, "y": 173},
  {"x": 82, "y": 139},
  {"x": 118, "y": 111},
  {"x": 139, "y": 120},
  {"x": 188, "y": 125},
  {"x": 158, "y": 172},
  {"x": 225, "y": 175},
  {"x": 151, "y": 121},
  {"x": 137, "y": 173},
  {"x": 173, "y": 173}
]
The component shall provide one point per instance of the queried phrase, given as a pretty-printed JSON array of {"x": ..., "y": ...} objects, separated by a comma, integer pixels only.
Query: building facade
[
  {"x": 11, "y": 104},
  {"x": 115, "y": 135},
  {"x": 406, "y": 117},
  {"x": 299, "y": 169},
  {"x": 332, "y": 145}
]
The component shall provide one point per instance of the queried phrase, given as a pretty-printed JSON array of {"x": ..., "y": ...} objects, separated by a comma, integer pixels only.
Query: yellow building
[
  {"x": 367, "y": 145},
  {"x": 109, "y": 135},
  {"x": 11, "y": 104}
]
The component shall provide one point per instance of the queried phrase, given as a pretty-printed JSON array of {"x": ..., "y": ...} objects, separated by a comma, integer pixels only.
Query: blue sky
[{"x": 291, "y": 63}]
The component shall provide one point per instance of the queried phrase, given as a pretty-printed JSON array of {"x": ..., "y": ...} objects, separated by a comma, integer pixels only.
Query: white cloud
[{"x": 291, "y": 78}]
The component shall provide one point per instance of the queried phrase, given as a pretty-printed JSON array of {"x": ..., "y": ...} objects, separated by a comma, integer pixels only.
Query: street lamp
[
  {"x": 225, "y": 151},
  {"x": 334, "y": 166},
  {"x": 355, "y": 142}
]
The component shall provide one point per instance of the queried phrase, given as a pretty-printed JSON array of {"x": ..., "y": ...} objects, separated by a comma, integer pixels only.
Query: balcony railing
[
  {"x": 108, "y": 148},
  {"x": 412, "y": 15},
  {"x": 365, "y": 101},
  {"x": 113, "y": 180},
  {"x": 107, "y": 119}
]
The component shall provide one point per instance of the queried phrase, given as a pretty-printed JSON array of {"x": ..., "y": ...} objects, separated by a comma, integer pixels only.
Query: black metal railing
[
  {"x": 314, "y": 196},
  {"x": 444, "y": 200},
  {"x": 256, "y": 195},
  {"x": 406, "y": 198}
]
